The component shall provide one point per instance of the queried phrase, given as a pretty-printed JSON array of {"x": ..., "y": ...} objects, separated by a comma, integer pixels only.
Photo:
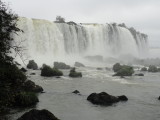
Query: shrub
[
  {"x": 32, "y": 65},
  {"x": 152, "y": 68},
  {"x": 73, "y": 73},
  {"x": 25, "y": 99},
  {"x": 144, "y": 69},
  {"x": 116, "y": 67},
  {"x": 48, "y": 71}
]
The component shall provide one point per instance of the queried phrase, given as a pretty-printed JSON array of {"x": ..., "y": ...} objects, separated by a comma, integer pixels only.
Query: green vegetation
[
  {"x": 25, "y": 99},
  {"x": 61, "y": 65},
  {"x": 123, "y": 70},
  {"x": 32, "y": 65},
  {"x": 11, "y": 78},
  {"x": 48, "y": 71},
  {"x": 73, "y": 73},
  {"x": 152, "y": 68},
  {"x": 144, "y": 69}
]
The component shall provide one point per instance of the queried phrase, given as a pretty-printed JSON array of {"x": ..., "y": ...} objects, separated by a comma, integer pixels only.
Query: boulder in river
[
  {"x": 78, "y": 64},
  {"x": 105, "y": 99},
  {"x": 32, "y": 65},
  {"x": 38, "y": 115},
  {"x": 73, "y": 73},
  {"x": 76, "y": 92},
  {"x": 61, "y": 65}
]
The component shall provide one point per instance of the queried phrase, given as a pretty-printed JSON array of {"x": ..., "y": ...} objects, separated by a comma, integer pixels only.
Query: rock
[
  {"x": 47, "y": 71},
  {"x": 124, "y": 71},
  {"x": 73, "y": 73},
  {"x": 25, "y": 99},
  {"x": 102, "y": 98},
  {"x": 58, "y": 77},
  {"x": 99, "y": 68},
  {"x": 152, "y": 68},
  {"x": 30, "y": 86},
  {"x": 61, "y": 65},
  {"x": 139, "y": 74},
  {"x": 144, "y": 69},
  {"x": 33, "y": 74},
  {"x": 159, "y": 98},
  {"x": 122, "y": 98},
  {"x": 38, "y": 115},
  {"x": 23, "y": 69},
  {"x": 76, "y": 92},
  {"x": 78, "y": 64},
  {"x": 32, "y": 65},
  {"x": 116, "y": 67},
  {"x": 71, "y": 23}
]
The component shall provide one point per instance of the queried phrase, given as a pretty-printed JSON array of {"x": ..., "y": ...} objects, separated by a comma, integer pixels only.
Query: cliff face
[{"x": 48, "y": 39}]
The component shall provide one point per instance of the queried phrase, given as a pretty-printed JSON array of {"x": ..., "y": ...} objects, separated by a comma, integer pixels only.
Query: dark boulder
[
  {"x": 32, "y": 65},
  {"x": 38, "y": 115},
  {"x": 76, "y": 92},
  {"x": 144, "y": 69},
  {"x": 152, "y": 68},
  {"x": 125, "y": 70},
  {"x": 23, "y": 69},
  {"x": 58, "y": 77},
  {"x": 102, "y": 98},
  {"x": 33, "y": 74},
  {"x": 159, "y": 98},
  {"x": 73, "y": 73},
  {"x": 99, "y": 68},
  {"x": 78, "y": 64},
  {"x": 139, "y": 74},
  {"x": 116, "y": 67},
  {"x": 122, "y": 98},
  {"x": 47, "y": 71},
  {"x": 61, "y": 65},
  {"x": 30, "y": 86},
  {"x": 105, "y": 99}
]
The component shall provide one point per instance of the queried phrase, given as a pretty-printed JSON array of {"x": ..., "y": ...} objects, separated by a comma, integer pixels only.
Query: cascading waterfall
[{"x": 47, "y": 41}]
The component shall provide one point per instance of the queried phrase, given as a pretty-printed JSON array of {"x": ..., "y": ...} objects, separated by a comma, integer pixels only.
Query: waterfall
[{"x": 47, "y": 41}]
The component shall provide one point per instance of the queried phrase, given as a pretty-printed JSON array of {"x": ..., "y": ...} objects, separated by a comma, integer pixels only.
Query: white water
[{"x": 47, "y": 41}]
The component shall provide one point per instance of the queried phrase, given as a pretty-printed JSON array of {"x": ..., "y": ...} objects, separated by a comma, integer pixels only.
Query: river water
[{"x": 58, "y": 98}]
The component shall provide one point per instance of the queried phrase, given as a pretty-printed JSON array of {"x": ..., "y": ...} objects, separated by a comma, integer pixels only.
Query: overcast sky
[{"x": 143, "y": 15}]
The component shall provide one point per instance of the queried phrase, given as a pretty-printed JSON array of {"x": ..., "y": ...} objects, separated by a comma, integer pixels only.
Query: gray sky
[{"x": 143, "y": 15}]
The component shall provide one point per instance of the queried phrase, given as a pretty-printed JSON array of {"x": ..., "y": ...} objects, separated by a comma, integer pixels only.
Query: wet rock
[
  {"x": 122, "y": 98},
  {"x": 78, "y": 64},
  {"x": 105, "y": 99},
  {"x": 23, "y": 69},
  {"x": 32, "y": 65},
  {"x": 116, "y": 67},
  {"x": 47, "y": 71},
  {"x": 99, "y": 68},
  {"x": 76, "y": 92},
  {"x": 32, "y": 87},
  {"x": 144, "y": 69},
  {"x": 61, "y": 65},
  {"x": 152, "y": 68},
  {"x": 139, "y": 74},
  {"x": 73, "y": 73},
  {"x": 33, "y": 74},
  {"x": 58, "y": 77},
  {"x": 102, "y": 98},
  {"x": 38, "y": 115}
]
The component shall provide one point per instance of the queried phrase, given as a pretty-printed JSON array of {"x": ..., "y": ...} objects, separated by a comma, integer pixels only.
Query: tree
[
  {"x": 8, "y": 27},
  {"x": 60, "y": 19}
]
